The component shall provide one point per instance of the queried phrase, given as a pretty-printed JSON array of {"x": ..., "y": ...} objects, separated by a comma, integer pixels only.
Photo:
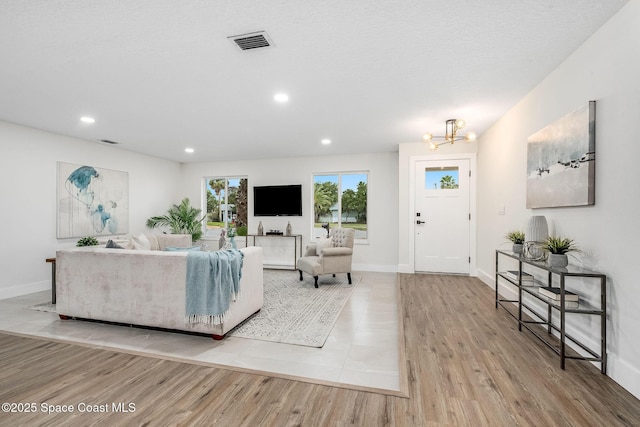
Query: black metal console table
[{"x": 539, "y": 270}]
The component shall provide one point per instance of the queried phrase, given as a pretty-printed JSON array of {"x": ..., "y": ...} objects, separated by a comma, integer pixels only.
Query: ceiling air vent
[
  {"x": 109, "y": 142},
  {"x": 249, "y": 41}
]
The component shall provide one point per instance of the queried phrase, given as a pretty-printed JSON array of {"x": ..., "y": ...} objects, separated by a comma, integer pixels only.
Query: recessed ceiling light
[
  {"x": 326, "y": 141},
  {"x": 87, "y": 119},
  {"x": 189, "y": 150},
  {"x": 281, "y": 97}
]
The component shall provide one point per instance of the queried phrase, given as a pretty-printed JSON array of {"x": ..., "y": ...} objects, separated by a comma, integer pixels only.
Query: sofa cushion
[
  {"x": 174, "y": 240},
  {"x": 140, "y": 242},
  {"x": 153, "y": 242}
]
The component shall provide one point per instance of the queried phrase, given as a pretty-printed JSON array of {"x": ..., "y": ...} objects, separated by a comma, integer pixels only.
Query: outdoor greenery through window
[
  {"x": 226, "y": 205},
  {"x": 340, "y": 200},
  {"x": 441, "y": 178}
]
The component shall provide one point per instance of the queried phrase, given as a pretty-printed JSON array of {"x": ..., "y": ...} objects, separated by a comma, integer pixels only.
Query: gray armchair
[{"x": 329, "y": 256}]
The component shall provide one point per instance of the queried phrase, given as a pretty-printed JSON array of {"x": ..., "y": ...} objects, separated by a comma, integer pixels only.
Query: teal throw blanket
[{"x": 213, "y": 281}]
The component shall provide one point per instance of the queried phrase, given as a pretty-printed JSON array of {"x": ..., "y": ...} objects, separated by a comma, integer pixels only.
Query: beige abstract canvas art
[{"x": 561, "y": 161}]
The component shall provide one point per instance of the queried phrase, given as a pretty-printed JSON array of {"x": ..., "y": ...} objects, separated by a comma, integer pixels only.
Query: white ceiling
[{"x": 161, "y": 75}]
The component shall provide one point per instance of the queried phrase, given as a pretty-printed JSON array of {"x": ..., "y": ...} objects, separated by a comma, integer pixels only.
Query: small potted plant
[
  {"x": 87, "y": 241},
  {"x": 517, "y": 238},
  {"x": 558, "y": 248}
]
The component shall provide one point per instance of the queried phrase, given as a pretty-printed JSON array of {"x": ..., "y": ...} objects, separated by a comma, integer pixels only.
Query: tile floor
[{"x": 362, "y": 350}]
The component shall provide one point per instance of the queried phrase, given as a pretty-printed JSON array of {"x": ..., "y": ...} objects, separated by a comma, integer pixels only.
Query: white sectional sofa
[{"x": 146, "y": 287}]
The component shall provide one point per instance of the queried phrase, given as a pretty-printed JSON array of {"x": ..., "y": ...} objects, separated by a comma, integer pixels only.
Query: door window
[{"x": 444, "y": 178}]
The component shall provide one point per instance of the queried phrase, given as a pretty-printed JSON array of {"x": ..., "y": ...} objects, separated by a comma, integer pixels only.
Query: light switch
[{"x": 501, "y": 210}]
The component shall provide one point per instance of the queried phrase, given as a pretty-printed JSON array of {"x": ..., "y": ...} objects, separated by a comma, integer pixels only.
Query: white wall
[
  {"x": 606, "y": 68},
  {"x": 379, "y": 254},
  {"x": 28, "y": 168}
]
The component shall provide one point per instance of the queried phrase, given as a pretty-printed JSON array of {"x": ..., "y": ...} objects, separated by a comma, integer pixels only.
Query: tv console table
[
  {"x": 531, "y": 288},
  {"x": 297, "y": 247}
]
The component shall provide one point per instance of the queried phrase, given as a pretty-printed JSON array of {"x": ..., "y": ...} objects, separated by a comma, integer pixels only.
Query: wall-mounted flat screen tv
[{"x": 277, "y": 200}]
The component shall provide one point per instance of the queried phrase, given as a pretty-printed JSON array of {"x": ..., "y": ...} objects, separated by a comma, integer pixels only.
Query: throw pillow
[
  {"x": 113, "y": 245},
  {"x": 141, "y": 242},
  {"x": 322, "y": 243},
  {"x": 153, "y": 242}
]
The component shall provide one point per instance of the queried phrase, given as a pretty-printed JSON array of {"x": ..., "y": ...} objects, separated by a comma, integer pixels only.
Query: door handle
[{"x": 420, "y": 222}]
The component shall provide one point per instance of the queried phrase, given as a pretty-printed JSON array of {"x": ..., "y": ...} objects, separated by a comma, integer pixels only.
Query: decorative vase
[
  {"x": 222, "y": 241},
  {"x": 558, "y": 260},
  {"x": 537, "y": 234},
  {"x": 233, "y": 242},
  {"x": 288, "y": 230},
  {"x": 518, "y": 248},
  {"x": 260, "y": 229}
]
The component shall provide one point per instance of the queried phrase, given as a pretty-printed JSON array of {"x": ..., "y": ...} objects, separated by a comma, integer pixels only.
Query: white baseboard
[
  {"x": 625, "y": 374},
  {"x": 488, "y": 279},
  {"x": 375, "y": 267},
  {"x": 405, "y": 268},
  {"x": 24, "y": 289},
  {"x": 408, "y": 269}
]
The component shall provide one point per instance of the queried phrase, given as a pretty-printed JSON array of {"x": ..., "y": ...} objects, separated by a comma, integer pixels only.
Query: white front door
[{"x": 442, "y": 216}]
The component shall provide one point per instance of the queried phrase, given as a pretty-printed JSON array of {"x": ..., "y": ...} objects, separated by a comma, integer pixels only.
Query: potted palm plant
[
  {"x": 181, "y": 219},
  {"x": 558, "y": 248},
  {"x": 517, "y": 238}
]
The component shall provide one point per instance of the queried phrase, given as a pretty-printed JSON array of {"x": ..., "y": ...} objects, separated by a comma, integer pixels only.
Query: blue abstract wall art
[{"x": 91, "y": 201}]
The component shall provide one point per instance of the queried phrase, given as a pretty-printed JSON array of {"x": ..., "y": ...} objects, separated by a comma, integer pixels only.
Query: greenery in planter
[
  {"x": 181, "y": 219},
  {"x": 560, "y": 245},
  {"x": 87, "y": 241},
  {"x": 516, "y": 237}
]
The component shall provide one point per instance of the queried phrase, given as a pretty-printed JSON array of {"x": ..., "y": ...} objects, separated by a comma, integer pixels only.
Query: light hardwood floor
[{"x": 467, "y": 364}]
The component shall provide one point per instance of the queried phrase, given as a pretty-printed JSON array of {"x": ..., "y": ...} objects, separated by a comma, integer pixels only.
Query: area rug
[{"x": 294, "y": 311}]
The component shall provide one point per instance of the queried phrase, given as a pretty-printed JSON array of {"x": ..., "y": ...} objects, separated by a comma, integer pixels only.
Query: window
[
  {"x": 226, "y": 205},
  {"x": 441, "y": 178},
  {"x": 340, "y": 200}
]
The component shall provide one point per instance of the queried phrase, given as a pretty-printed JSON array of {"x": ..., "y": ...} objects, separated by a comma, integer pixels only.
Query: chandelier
[{"x": 451, "y": 129}]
